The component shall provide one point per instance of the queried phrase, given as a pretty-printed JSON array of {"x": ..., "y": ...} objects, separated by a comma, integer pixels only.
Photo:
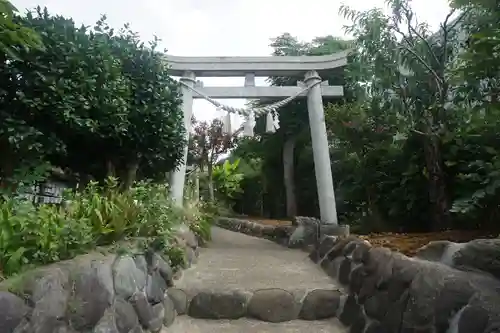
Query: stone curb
[
  {"x": 389, "y": 292},
  {"x": 278, "y": 234},
  {"x": 270, "y": 305},
  {"x": 304, "y": 233}
]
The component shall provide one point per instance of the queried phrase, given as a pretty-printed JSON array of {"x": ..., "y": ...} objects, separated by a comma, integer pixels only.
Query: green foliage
[
  {"x": 89, "y": 88},
  {"x": 15, "y": 36},
  {"x": 227, "y": 180},
  {"x": 143, "y": 210},
  {"x": 176, "y": 256},
  {"x": 95, "y": 216},
  {"x": 417, "y": 148},
  {"x": 31, "y": 235},
  {"x": 199, "y": 217},
  {"x": 207, "y": 144}
]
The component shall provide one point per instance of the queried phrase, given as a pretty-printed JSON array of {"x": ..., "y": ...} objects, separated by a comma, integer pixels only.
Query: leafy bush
[
  {"x": 142, "y": 210},
  {"x": 94, "y": 216},
  {"x": 31, "y": 235},
  {"x": 198, "y": 219},
  {"x": 227, "y": 180}
]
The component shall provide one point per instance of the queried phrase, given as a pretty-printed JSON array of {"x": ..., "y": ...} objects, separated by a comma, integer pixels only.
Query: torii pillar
[
  {"x": 321, "y": 151},
  {"x": 178, "y": 177}
]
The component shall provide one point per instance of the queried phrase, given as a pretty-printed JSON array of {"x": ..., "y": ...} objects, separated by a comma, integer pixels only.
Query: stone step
[
  {"x": 270, "y": 305},
  {"x": 185, "y": 324}
]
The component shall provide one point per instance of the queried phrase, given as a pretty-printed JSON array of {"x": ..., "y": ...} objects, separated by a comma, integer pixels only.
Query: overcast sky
[{"x": 223, "y": 27}]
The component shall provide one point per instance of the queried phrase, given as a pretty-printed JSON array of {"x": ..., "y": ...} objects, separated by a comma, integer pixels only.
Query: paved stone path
[
  {"x": 185, "y": 324},
  {"x": 237, "y": 261}
]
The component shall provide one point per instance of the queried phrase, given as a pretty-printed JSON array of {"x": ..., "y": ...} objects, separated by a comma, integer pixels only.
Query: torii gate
[{"x": 189, "y": 68}]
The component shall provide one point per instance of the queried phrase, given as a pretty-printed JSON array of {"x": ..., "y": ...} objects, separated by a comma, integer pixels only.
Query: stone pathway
[
  {"x": 185, "y": 324},
  {"x": 237, "y": 262}
]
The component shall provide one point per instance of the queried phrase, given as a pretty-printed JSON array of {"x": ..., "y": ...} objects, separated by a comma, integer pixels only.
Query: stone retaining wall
[
  {"x": 99, "y": 293},
  {"x": 305, "y": 232},
  {"x": 479, "y": 255},
  {"x": 389, "y": 292},
  {"x": 278, "y": 234}
]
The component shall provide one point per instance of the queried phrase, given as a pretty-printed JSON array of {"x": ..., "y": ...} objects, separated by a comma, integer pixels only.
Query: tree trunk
[
  {"x": 197, "y": 187},
  {"x": 288, "y": 176},
  {"x": 211, "y": 192},
  {"x": 438, "y": 191},
  {"x": 110, "y": 169},
  {"x": 131, "y": 174},
  {"x": 7, "y": 171},
  {"x": 377, "y": 223}
]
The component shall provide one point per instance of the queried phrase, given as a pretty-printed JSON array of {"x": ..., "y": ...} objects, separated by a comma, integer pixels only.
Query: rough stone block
[
  {"x": 345, "y": 271},
  {"x": 357, "y": 277},
  {"x": 472, "y": 319},
  {"x": 359, "y": 324},
  {"x": 92, "y": 291},
  {"x": 106, "y": 324},
  {"x": 350, "y": 247},
  {"x": 325, "y": 246},
  {"x": 361, "y": 251},
  {"x": 350, "y": 311},
  {"x": 377, "y": 304},
  {"x": 306, "y": 233},
  {"x": 170, "y": 312},
  {"x": 320, "y": 304},
  {"x": 156, "y": 323},
  {"x": 155, "y": 288},
  {"x": 332, "y": 268},
  {"x": 125, "y": 316},
  {"x": 273, "y": 305},
  {"x": 12, "y": 310},
  {"x": 218, "y": 305},
  {"x": 127, "y": 277},
  {"x": 50, "y": 297},
  {"x": 433, "y": 251},
  {"x": 394, "y": 315},
  {"x": 336, "y": 250},
  {"x": 482, "y": 254},
  {"x": 161, "y": 265},
  {"x": 180, "y": 300},
  {"x": 375, "y": 327},
  {"x": 143, "y": 309}
]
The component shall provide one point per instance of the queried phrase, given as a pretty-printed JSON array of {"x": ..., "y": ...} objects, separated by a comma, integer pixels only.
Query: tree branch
[
  {"x": 418, "y": 132},
  {"x": 419, "y": 35},
  {"x": 417, "y": 57},
  {"x": 457, "y": 21},
  {"x": 429, "y": 68}
]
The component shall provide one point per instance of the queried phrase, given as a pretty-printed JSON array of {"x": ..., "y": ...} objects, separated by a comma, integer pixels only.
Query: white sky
[{"x": 223, "y": 27}]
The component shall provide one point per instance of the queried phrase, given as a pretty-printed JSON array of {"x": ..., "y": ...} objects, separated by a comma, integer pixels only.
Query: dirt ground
[
  {"x": 410, "y": 243},
  {"x": 269, "y": 222},
  {"x": 407, "y": 243}
]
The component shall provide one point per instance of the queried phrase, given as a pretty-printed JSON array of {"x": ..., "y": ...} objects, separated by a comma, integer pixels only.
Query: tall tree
[
  {"x": 402, "y": 66},
  {"x": 88, "y": 88}
]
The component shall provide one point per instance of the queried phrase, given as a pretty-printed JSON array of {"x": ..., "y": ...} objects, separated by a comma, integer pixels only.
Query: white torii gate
[{"x": 189, "y": 68}]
